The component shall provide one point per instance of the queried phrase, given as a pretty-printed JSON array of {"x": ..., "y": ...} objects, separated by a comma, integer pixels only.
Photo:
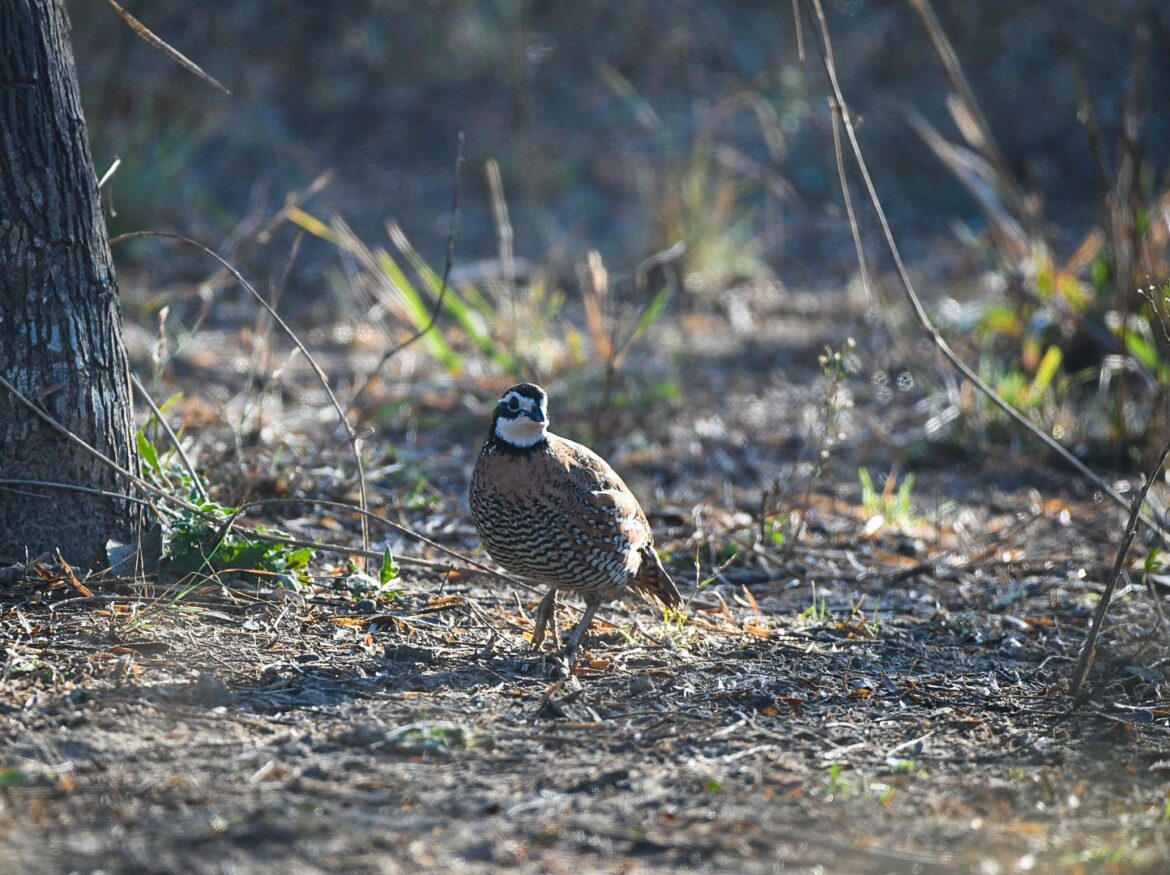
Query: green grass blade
[{"x": 419, "y": 312}]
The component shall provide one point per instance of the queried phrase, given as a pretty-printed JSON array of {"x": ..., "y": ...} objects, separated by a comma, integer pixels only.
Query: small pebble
[
  {"x": 910, "y": 547},
  {"x": 409, "y": 653},
  {"x": 209, "y": 691},
  {"x": 640, "y": 686},
  {"x": 360, "y": 735}
]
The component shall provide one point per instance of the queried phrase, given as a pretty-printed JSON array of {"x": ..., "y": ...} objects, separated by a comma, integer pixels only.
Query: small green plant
[
  {"x": 205, "y": 540},
  {"x": 710, "y": 193},
  {"x": 836, "y": 365},
  {"x": 423, "y": 496},
  {"x": 11, "y": 778},
  {"x": 505, "y": 326},
  {"x": 839, "y": 784},
  {"x": 818, "y": 611},
  {"x": 894, "y": 505},
  {"x": 358, "y": 585},
  {"x": 512, "y": 324},
  {"x": 675, "y": 626},
  {"x": 430, "y": 736},
  {"x": 390, "y": 569},
  {"x": 776, "y": 529},
  {"x": 727, "y": 555},
  {"x": 1016, "y": 387},
  {"x": 833, "y": 781}
]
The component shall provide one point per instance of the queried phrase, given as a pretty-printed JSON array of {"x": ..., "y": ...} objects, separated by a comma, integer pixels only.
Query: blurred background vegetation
[{"x": 625, "y": 126}]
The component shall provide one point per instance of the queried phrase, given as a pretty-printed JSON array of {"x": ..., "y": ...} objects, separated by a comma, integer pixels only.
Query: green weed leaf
[{"x": 390, "y": 568}]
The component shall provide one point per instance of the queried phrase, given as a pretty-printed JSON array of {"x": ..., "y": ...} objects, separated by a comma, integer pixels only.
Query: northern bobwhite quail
[{"x": 553, "y": 511}]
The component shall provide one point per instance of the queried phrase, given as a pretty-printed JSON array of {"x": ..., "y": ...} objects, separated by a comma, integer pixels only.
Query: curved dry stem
[
  {"x": 452, "y": 233},
  {"x": 403, "y": 530},
  {"x": 351, "y": 434},
  {"x": 1089, "y": 648},
  {"x": 73, "y": 487},
  {"x": 149, "y": 487},
  {"x": 854, "y": 227},
  {"x": 170, "y": 433}
]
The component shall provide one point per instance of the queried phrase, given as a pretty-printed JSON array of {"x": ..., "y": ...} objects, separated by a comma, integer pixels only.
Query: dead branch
[{"x": 840, "y": 105}]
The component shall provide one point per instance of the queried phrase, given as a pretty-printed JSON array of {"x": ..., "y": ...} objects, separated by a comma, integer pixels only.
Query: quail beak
[{"x": 535, "y": 414}]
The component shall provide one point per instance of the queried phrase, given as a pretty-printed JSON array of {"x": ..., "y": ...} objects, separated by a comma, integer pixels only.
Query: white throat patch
[{"x": 521, "y": 432}]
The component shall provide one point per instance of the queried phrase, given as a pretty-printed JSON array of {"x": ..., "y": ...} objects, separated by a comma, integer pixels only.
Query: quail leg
[
  {"x": 592, "y": 603},
  {"x": 546, "y": 614}
]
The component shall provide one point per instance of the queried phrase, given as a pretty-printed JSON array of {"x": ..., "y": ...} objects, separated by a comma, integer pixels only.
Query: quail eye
[{"x": 513, "y": 404}]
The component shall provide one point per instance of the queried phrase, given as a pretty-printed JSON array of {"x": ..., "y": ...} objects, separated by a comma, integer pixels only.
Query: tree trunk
[{"x": 60, "y": 327}]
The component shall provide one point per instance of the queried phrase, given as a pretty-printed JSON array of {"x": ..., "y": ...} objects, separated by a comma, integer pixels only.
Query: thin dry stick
[
  {"x": 73, "y": 487},
  {"x": 147, "y": 486},
  {"x": 799, "y": 30},
  {"x": 936, "y": 337},
  {"x": 98, "y": 454},
  {"x": 262, "y": 233},
  {"x": 401, "y": 529},
  {"x": 618, "y": 350},
  {"x": 352, "y": 435},
  {"x": 854, "y": 228},
  {"x": 261, "y": 358},
  {"x": 1089, "y": 648},
  {"x": 174, "y": 54},
  {"x": 170, "y": 433},
  {"x": 506, "y": 237},
  {"x": 452, "y": 233},
  {"x": 641, "y": 276},
  {"x": 347, "y": 550}
]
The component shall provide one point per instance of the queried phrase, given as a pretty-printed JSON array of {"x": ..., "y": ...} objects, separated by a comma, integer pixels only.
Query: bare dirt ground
[{"x": 869, "y": 697}]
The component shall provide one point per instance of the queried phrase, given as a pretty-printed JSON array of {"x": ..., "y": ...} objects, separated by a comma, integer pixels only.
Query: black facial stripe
[{"x": 510, "y": 406}]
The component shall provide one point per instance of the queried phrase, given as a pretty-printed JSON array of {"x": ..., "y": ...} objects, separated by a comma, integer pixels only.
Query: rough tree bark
[{"x": 60, "y": 327}]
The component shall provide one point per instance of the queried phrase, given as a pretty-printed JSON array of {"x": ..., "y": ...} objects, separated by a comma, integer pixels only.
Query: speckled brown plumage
[{"x": 553, "y": 511}]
